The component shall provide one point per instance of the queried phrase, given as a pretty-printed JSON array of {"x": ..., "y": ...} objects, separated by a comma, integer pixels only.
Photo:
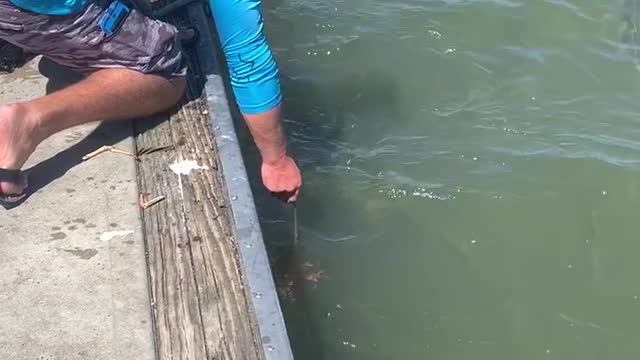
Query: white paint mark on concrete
[{"x": 110, "y": 235}]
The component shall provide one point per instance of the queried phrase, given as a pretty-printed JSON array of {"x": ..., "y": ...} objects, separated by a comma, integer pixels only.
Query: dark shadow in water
[
  {"x": 318, "y": 111},
  {"x": 319, "y": 114}
]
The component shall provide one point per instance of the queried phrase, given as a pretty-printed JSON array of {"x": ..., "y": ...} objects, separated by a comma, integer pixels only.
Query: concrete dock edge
[{"x": 246, "y": 226}]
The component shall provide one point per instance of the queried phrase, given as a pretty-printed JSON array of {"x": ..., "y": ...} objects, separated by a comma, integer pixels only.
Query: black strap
[{"x": 12, "y": 176}]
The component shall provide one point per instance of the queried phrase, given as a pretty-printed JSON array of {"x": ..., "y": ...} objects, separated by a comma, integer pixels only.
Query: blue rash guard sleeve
[{"x": 252, "y": 69}]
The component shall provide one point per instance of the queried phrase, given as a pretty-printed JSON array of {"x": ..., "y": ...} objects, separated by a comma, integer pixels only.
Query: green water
[{"x": 472, "y": 178}]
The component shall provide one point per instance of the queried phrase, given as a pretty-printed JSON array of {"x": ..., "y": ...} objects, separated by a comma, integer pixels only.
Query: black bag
[{"x": 11, "y": 57}]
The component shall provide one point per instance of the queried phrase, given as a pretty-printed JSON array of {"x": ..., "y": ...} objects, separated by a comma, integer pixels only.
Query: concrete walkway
[{"x": 73, "y": 279}]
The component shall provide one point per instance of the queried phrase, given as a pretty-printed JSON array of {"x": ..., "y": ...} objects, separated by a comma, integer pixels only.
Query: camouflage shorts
[{"x": 142, "y": 44}]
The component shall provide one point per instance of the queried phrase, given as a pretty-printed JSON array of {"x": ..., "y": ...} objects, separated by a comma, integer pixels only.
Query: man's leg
[
  {"x": 106, "y": 95},
  {"x": 136, "y": 72}
]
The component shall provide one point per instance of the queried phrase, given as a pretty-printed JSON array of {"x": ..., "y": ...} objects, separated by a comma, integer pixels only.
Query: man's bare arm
[
  {"x": 268, "y": 135},
  {"x": 280, "y": 174}
]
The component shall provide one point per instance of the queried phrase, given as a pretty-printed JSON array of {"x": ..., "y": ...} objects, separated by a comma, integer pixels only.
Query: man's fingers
[
  {"x": 294, "y": 197},
  {"x": 286, "y": 196}
]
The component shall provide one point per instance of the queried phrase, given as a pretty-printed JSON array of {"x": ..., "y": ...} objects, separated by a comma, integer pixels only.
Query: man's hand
[{"x": 282, "y": 178}]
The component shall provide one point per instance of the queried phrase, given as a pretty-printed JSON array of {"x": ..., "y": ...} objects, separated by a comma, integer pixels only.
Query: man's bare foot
[{"x": 18, "y": 140}]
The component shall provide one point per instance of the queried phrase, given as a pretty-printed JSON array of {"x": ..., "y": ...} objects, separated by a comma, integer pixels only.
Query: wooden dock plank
[
  {"x": 200, "y": 305},
  {"x": 173, "y": 290}
]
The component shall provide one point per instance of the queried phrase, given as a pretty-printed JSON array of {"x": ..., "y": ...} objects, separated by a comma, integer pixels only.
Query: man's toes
[{"x": 13, "y": 189}]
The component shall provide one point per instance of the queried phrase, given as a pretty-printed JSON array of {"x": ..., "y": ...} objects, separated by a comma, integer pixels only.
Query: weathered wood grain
[{"x": 200, "y": 306}]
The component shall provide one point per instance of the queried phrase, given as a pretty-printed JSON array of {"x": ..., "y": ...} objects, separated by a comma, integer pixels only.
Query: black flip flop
[{"x": 14, "y": 177}]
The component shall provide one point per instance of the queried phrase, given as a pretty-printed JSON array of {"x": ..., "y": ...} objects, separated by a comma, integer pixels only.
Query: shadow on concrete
[{"x": 45, "y": 172}]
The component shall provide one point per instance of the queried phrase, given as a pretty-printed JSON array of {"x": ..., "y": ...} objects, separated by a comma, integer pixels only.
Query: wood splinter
[
  {"x": 111, "y": 149},
  {"x": 145, "y": 204}
]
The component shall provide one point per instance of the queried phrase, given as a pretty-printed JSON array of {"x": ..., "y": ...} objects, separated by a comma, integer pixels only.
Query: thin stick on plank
[
  {"x": 111, "y": 149},
  {"x": 153, "y": 201},
  {"x": 145, "y": 204}
]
